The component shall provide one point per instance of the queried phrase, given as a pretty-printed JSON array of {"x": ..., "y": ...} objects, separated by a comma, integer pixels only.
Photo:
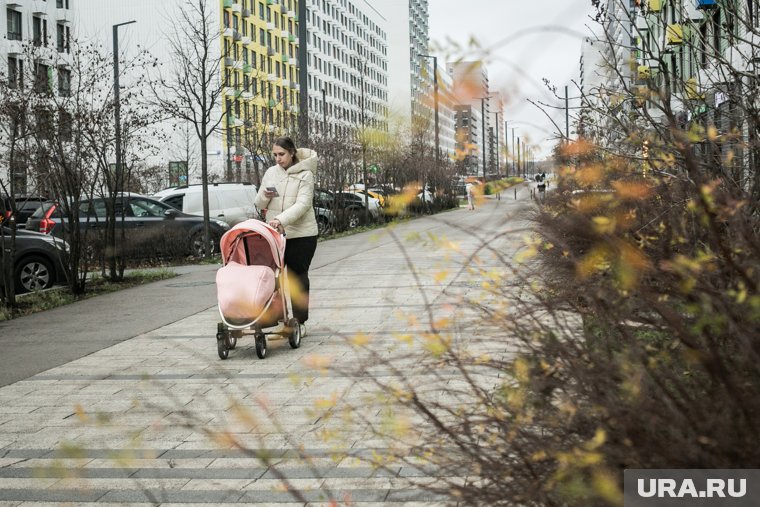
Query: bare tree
[{"x": 193, "y": 88}]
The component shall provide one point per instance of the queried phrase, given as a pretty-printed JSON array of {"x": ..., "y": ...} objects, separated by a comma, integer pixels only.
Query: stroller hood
[{"x": 238, "y": 241}]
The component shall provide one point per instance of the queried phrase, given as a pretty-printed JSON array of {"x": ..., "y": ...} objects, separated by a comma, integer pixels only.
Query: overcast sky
[{"x": 529, "y": 40}]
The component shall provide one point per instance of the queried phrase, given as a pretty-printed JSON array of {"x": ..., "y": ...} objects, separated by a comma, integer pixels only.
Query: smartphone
[{"x": 273, "y": 189}]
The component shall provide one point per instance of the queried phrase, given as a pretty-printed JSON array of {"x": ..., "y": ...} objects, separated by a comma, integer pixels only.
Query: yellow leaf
[
  {"x": 360, "y": 339},
  {"x": 440, "y": 276}
]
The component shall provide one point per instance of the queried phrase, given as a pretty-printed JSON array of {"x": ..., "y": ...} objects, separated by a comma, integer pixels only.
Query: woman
[{"x": 287, "y": 193}]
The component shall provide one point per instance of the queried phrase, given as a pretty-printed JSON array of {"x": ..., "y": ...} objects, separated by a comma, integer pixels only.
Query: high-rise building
[
  {"x": 260, "y": 77},
  {"x": 410, "y": 88},
  {"x": 347, "y": 67},
  {"x": 36, "y": 43},
  {"x": 472, "y": 91}
]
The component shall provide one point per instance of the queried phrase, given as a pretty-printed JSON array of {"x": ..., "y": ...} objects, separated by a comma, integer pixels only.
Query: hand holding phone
[{"x": 272, "y": 191}]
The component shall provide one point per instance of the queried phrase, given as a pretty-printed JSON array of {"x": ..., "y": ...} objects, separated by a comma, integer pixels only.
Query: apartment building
[
  {"x": 471, "y": 88},
  {"x": 260, "y": 77},
  {"x": 347, "y": 67},
  {"x": 410, "y": 83},
  {"x": 704, "y": 55},
  {"x": 35, "y": 44}
]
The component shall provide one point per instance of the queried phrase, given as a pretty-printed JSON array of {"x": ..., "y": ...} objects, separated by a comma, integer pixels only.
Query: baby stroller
[{"x": 251, "y": 286}]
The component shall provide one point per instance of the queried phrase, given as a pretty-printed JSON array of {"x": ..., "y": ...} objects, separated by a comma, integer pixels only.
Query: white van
[{"x": 229, "y": 202}]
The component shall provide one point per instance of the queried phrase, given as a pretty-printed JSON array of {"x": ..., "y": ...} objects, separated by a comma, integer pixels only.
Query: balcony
[
  {"x": 39, "y": 7},
  {"x": 692, "y": 91},
  {"x": 228, "y": 32},
  {"x": 270, "y": 51},
  {"x": 238, "y": 64},
  {"x": 292, "y": 38},
  {"x": 272, "y": 77},
  {"x": 270, "y": 26},
  {"x": 285, "y": 58},
  {"x": 285, "y": 83},
  {"x": 655, "y": 5},
  {"x": 284, "y": 33},
  {"x": 63, "y": 16},
  {"x": 246, "y": 12},
  {"x": 246, "y": 95},
  {"x": 236, "y": 7},
  {"x": 707, "y": 4},
  {"x": 245, "y": 40},
  {"x": 247, "y": 68},
  {"x": 228, "y": 61},
  {"x": 674, "y": 34},
  {"x": 272, "y": 103},
  {"x": 14, "y": 47},
  {"x": 227, "y": 4}
]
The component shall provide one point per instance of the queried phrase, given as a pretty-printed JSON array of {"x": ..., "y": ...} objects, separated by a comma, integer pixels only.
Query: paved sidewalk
[{"x": 138, "y": 402}]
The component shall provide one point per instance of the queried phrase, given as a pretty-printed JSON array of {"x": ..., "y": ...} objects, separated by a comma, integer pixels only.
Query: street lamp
[
  {"x": 117, "y": 125},
  {"x": 435, "y": 98}
]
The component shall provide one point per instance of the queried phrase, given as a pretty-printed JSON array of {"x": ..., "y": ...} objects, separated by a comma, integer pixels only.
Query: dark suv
[
  {"x": 24, "y": 206},
  {"x": 38, "y": 260},
  {"x": 151, "y": 227}
]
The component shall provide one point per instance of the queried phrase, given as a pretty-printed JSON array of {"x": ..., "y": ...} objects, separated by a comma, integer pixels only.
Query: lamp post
[
  {"x": 435, "y": 99},
  {"x": 117, "y": 126},
  {"x": 498, "y": 155}
]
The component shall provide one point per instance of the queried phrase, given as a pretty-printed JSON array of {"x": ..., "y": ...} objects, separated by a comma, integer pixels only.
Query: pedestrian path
[{"x": 157, "y": 418}]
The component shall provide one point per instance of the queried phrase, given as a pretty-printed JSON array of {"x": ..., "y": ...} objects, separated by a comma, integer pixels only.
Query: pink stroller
[{"x": 251, "y": 287}]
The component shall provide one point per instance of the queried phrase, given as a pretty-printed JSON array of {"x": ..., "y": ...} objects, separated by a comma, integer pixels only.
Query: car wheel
[
  {"x": 196, "y": 245},
  {"x": 323, "y": 226},
  {"x": 354, "y": 219},
  {"x": 33, "y": 274}
]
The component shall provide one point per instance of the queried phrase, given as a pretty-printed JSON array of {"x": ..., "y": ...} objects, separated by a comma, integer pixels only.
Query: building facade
[
  {"x": 36, "y": 44},
  {"x": 260, "y": 78},
  {"x": 347, "y": 67},
  {"x": 475, "y": 132},
  {"x": 410, "y": 82}
]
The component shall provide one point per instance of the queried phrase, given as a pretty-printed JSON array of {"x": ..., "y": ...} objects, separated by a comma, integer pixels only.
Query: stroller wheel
[
  {"x": 295, "y": 334},
  {"x": 261, "y": 346},
  {"x": 232, "y": 339},
  {"x": 221, "y": 348}
]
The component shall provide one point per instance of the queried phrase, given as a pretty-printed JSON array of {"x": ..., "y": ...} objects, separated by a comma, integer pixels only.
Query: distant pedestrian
[{"x": 470, "y": 189}]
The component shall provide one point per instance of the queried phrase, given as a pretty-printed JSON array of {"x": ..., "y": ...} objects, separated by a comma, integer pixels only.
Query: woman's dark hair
[{"x": 288, "y": 145}]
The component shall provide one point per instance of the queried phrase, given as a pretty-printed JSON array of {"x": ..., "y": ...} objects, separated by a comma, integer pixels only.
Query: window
[
  {"x": 14, "y": 24},
  {"x": 36, "y": 31},
  {"x": 64, "y": 82},
  {"x": 42, "y": 78},
  {"x": 15, "y": 72},
  {"x": 65, "y": 121},
  {"x": 60, "y": 37}
]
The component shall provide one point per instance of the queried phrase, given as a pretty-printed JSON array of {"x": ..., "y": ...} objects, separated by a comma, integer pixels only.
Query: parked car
[
  {"x": 375, "y": 207},
  {"x": 38, "y": 260},
  {"x": 229, "y": 202},
  {"x": 25, "y": 206},
  {"x": 325, "y": 220},
  {"x": 151, "y": 228},
  {"x": 347, "y": 209}
]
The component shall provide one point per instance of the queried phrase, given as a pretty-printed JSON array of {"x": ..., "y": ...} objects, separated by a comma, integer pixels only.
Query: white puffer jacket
[{"x": 293, "y": 207}]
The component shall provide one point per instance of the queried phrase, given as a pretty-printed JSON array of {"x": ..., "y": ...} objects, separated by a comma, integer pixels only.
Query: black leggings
[{"x": 298, "y": 255}]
